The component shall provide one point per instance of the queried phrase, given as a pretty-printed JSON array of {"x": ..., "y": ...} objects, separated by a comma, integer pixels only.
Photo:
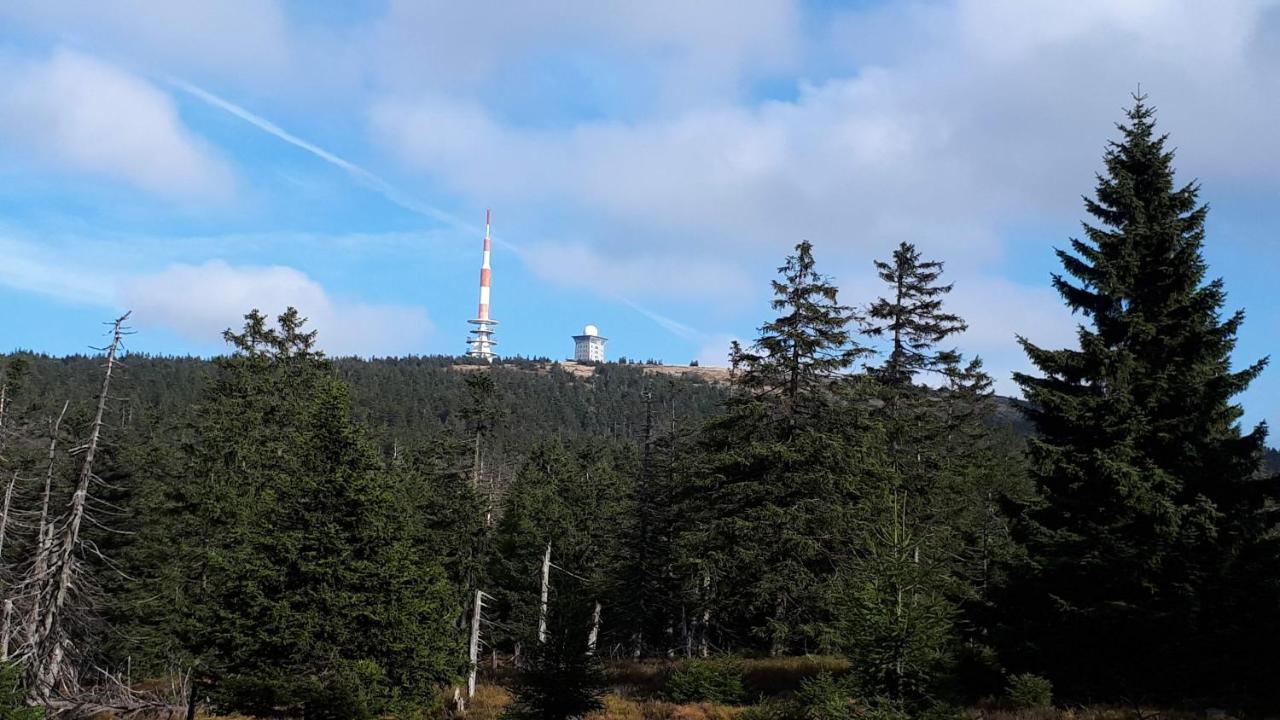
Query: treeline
[
  {"x": 293, "y": 535},
  {"x": 409, "y": 400}
]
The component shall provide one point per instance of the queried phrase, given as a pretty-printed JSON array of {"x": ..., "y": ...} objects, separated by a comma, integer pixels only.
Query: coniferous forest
[{"x": 854, "y": 525}]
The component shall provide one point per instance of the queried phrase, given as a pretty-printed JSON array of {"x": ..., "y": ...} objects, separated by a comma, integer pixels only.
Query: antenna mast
[{"x": 481, "y": 340}]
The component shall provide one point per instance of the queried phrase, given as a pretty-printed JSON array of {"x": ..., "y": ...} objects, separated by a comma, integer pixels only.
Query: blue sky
[{"x": 648, "y": 163}]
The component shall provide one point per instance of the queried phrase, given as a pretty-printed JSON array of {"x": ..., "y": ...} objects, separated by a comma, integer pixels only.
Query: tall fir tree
[
  {"x": 912, "y": 319},
  {"x": 773, "y": 478},
  {"x": 1145, "y": 471},
  {"x": 928, "y": 520},
  {"x": 307, "y": 584},
  {"x": 800, "y": 352}
]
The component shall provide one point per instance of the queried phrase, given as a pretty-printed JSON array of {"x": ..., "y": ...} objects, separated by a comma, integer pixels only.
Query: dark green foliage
[
  {"x": 717, "y": 680},
  {"x": 651, "y": 592},
  {"x": 878, "y": 708},
  {"x": 409, "y": 401},
  {"x": 798, "y": 353},
  {"x": 301, "y": 564},
  {"x": 305, "y": 577},
  {"x": 769, "y": 496},
  {"x": 898, "y": 622},
  {"x": 562, "y": 681},
  {"x": 578, "y": 500},
  {"x": 13, "y": 699},
  {"x": 824, "y": 698},
  {"x": 912, "y": 318},
  {"x": 1148, "y": 480},
  {"x": 931, "y": 539},
  {"x": 769, "y": 709},
  {"x": 1029, "y": 692}
]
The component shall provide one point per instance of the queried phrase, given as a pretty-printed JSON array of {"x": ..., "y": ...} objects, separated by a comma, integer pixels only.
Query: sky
[{"x": 649, "y": 163}]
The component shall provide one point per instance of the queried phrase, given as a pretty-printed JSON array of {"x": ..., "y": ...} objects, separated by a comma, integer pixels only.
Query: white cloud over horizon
[
  {"x": 200, "y": 301},
  {"x": 74, "y": 112},
  {"x": 197, "y": 301}
]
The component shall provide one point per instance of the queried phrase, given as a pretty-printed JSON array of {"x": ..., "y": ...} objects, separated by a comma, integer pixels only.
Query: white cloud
[
  {"x": 200, "y": 301},
  {"x": 45, "y": 271},
  {"x": 997, "y": 310},
  {"x": 246, "y": 39},
  {"x": 78, "y": 113},
  {"x": 679, "y": 276},
  {"x": 694, "y": 51},
  {"x": 999, "y": 118}
]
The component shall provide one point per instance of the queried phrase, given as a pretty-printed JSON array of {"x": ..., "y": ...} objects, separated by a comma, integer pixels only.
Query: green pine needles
[{"x": 1145, "y": 472}]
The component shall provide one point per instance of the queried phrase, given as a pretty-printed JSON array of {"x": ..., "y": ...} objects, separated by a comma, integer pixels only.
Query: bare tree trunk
[
  {"x": 191, "y": 699},
  {"x": 459, "y": 702},
  {"x": 546, "y": 588},
  {"x": 4, "y": 411},
  {"x": 66, "y": 565},
  {"x": 44, "y": 533},
  {"x": 5, "y": 629},
  {"x": 594, "y": 634},
  {"x": 776, "y": 642},
  {"x": 704, "y": 648},
  {"x": 4, "y": 515},
  {"x": 474, "y": 651},
  {"x": 475, "y": 465}
]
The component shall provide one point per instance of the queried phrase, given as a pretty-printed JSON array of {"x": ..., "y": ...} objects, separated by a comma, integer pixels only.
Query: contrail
[
  {"x": 390, "y": 192},
  {"x": 361, "y": 175},
  {"x": 675, "y": 327}
]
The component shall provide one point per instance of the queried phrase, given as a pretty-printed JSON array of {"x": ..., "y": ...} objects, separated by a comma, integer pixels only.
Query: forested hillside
[{"x": 407, "y": 400}]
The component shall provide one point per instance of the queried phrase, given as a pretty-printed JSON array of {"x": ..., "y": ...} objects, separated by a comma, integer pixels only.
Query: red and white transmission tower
[{"x": 481, "y": 341}]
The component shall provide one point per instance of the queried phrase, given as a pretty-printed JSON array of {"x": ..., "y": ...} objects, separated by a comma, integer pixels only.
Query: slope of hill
[
  {"x": 403, "y": 400},
  {"x": 407, "y": 399}
]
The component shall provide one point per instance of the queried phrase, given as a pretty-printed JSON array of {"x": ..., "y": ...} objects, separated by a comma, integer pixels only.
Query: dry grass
[
  {"x": 621, "y": 708},
  {"x": 774, "y": 676},
  {"x": 1078, "y": 713},
  {"x": 761, "y": 676},
  {"x": 489, "y": 702}
]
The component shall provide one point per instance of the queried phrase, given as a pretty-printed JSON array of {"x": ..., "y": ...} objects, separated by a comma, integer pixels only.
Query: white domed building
[{"x": 589, "y": 346}]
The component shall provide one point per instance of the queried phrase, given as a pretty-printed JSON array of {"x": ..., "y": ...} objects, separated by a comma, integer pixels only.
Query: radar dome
[{"x": 591, "y": 330}]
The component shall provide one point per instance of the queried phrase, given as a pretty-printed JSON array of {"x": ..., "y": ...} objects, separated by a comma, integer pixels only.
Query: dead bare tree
[
  {"x": 44, "y": 537},
  {"x": 4, "y": 515},
  {"x": 56, "y": 584}
]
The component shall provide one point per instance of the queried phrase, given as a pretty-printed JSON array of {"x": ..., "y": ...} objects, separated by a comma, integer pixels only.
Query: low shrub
[
  {"x": 770, "y": 709},
  {"x": 13, "y": 701},
  {"x": 1029, "y": 692},
  {"x": 716, "y": 680},
  {"x": 489, "y": 703},
  {"x": 822, "y": 697},
  {"x": 883, "y": 709},
  {"x": 941, "y": 711}
]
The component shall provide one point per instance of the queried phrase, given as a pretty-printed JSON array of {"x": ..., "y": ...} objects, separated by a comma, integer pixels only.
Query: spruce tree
[
  {"x": 912, "y": 318},
  {"x": 800, "y": 352},
  {"x": 578, "y": 499},
  {"x": 307, "y": 584},
  {"x": 562, "y": 680},
  {"x": 771, "y": 485},
  {"x": 1139, "y": 453},
  {"x": 925, "y": 520}
]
